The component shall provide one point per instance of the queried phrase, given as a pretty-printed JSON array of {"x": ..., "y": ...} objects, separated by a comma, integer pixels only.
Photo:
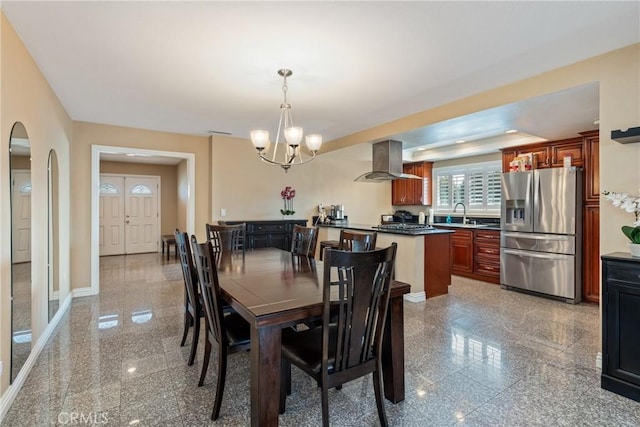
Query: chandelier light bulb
[
  {"x": 260, "y": 139},
  {"x": 293, "y": 135},
  {"x": 314, "y": 141}
]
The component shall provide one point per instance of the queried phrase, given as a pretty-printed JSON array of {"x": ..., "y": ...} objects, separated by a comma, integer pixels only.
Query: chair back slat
[
  {"x": 227, "y": 238},
  {"x": 358, "y": 284},
  {"x": 210, "y": 289},
  {"x": 304, "y": 241},
  {"x": 189, "y": 272},
  {"x": 357, "y": 242}
]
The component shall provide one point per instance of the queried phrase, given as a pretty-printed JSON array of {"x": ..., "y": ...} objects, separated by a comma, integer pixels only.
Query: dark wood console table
[{"x": 270, "y": 233}]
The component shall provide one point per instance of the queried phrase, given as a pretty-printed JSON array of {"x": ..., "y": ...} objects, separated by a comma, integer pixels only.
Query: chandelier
[{"x": 290, "y": 154}]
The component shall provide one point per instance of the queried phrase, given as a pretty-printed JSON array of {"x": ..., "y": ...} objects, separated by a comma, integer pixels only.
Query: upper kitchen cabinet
[
  {"x": 547, "y": 154},
  {"x": 411, "y": 191}
]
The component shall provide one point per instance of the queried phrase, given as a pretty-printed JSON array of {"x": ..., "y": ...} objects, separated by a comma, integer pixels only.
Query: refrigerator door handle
[
  {"x": 528, "y": 254},
  {"x": 546, "y": 237}
]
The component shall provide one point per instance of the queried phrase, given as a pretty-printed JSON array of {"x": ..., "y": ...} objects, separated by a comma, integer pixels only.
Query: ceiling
[{"x": 195, "y": 67}]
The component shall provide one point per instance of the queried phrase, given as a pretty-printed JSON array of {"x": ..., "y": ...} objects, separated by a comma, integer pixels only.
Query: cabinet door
[
  {"x": 426, "y": 169},
  {"x": 592, "y": 169},
  {"x": 622, "y": 323},
  {"x": 399, "y": 191},
  {"x": 541, "y": 157},
  {"x": 462, "y": 251},
  {"x": 591, "y": 254},
  {"x": 573, "y": 149},
  {"x": 279, "y": 241},
  {"x": 507, "y": 157}
]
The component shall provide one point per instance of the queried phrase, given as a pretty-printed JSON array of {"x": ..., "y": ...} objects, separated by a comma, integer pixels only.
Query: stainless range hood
[{"x": 387, "y": 163}]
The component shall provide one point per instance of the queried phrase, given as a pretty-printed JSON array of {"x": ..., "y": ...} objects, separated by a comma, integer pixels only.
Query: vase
[{"x": 634, "y": 249}]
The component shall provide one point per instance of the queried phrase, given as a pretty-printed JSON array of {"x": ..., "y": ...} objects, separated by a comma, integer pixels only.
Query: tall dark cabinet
[{"x": 621, "y": 324}]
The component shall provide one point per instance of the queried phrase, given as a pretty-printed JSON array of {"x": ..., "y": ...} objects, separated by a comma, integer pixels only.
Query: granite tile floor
[{"x": 480, "y": 356}]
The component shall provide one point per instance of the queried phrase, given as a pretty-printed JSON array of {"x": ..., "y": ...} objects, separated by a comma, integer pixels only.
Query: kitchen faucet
[{"x": 464, "y": 211}]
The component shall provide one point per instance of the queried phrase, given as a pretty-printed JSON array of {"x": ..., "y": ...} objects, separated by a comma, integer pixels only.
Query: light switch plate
[{"x": 223, "y": 212}]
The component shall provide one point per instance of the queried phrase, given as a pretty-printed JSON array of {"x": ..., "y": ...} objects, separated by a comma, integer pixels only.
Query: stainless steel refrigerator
[{"x": 540, "y": 241}]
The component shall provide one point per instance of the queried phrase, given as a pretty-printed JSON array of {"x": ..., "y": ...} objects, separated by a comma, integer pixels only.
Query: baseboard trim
[
  {"x": 599, "y": 360},
  {"x": 82, "y": 292},
  {"x": 11, "y": 392},
  {"x": 415, "y": 296}
]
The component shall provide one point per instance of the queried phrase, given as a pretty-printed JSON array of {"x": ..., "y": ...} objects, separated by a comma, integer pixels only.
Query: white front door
[
  {"x": 141, "y": 214},
  {"x": 111, "y": 214},
  {"x": 21, "y": 216},
  {"x": 129, "y": 214}
]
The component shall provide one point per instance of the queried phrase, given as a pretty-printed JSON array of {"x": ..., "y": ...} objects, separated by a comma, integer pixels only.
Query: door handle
[
  {"x": 126, "y": 222},
  {"x": 536, "y": 255}
]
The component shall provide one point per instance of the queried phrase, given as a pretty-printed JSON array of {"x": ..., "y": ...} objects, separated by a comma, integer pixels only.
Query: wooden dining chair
[
  {"x": 348, "y": 346},
  {"x": 229, "y": 332},
  {"x": 227, "y": 238},
  {"x": 192, "y": 301},
  {"x": 357, "y": 242},
  {"x": 304, "y": 241}
]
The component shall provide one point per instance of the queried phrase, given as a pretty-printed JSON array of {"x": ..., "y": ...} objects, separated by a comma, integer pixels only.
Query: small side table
[{"x": 169, "y": 240}]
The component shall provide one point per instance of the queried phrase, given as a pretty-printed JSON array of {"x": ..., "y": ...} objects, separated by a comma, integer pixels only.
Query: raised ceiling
[{"x": 192, "y": 67}]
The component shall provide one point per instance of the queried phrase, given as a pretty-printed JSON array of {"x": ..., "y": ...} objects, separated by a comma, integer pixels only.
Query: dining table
[{"x": 273, "y": 289}]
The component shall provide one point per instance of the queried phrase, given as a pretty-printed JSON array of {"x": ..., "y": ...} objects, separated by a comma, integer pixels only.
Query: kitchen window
[{"x": 476, "y": 185}]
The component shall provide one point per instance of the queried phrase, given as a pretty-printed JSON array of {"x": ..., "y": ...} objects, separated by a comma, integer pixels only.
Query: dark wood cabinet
[
  {"x": 475, "y": 253},
  {"x": 572, "y": 148},
  {"x": 462, "y": 251},
  {"x": 270, "y": 234},
  {"x": 591, "y": 254},
  {"x": 547, "y": 154},
  {"x": 620, "y": 325},
  {"x": 486, "y": 254},
  {"x": 413, "y": 191},
  {"x": 591, "y": 167}
]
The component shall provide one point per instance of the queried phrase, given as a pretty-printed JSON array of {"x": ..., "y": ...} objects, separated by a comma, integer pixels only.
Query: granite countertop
[
  {"x": 471, "y": 226},
  {"x": 370, "y": 227}
]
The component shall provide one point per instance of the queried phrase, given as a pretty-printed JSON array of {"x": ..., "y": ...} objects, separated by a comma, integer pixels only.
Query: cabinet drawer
[
  {"x": 623, "y": 272},
  {"x": 488, "y": 269},
  {"x": 462, "y": 235},
  {"x": 490, "y": 250},
  {"x": 489, "y": 235},
  {"x": 268, "y": 228}
]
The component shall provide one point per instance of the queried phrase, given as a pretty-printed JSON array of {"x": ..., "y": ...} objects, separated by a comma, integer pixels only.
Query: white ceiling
[{"x": 192, "y": 67}]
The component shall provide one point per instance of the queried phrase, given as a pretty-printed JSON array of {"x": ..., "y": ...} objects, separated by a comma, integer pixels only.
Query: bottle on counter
[
  {"x": 431, "y": 219},
  {"x": 448, "y": 219},
  {"x": 421, "y": 218}
]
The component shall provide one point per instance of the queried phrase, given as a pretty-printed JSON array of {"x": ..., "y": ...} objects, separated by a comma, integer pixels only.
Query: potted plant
[
  {"x": 632, "y": 205},
  {"x": 287, "y": 196}
]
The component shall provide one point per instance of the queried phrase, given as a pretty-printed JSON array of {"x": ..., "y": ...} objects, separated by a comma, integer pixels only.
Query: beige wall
[
  {"x": 249, "y": 188},
  {"x": 87, "y": 134},
  {"x": 491, "y": 157},
  {"x": 182, "y": 195},
  {"x": 168, "y": 187},
  {"x": 26, "y": 97}
]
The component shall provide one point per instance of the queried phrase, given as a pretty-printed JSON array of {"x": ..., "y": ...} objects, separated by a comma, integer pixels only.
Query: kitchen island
[{"x": 423, "y": 257}]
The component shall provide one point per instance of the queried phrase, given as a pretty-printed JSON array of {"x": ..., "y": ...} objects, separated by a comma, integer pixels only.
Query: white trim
[
  {"x": 96, "y": 150},
  {"x": 82, "y": 292},
  {"x": 599, "y": 360},
  {"x": 415, "y": 296},
  {"x": 12, "y": 391}
]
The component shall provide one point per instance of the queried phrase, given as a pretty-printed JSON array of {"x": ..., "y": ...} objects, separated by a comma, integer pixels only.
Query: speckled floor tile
[{"x": 479, "y": 356}]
